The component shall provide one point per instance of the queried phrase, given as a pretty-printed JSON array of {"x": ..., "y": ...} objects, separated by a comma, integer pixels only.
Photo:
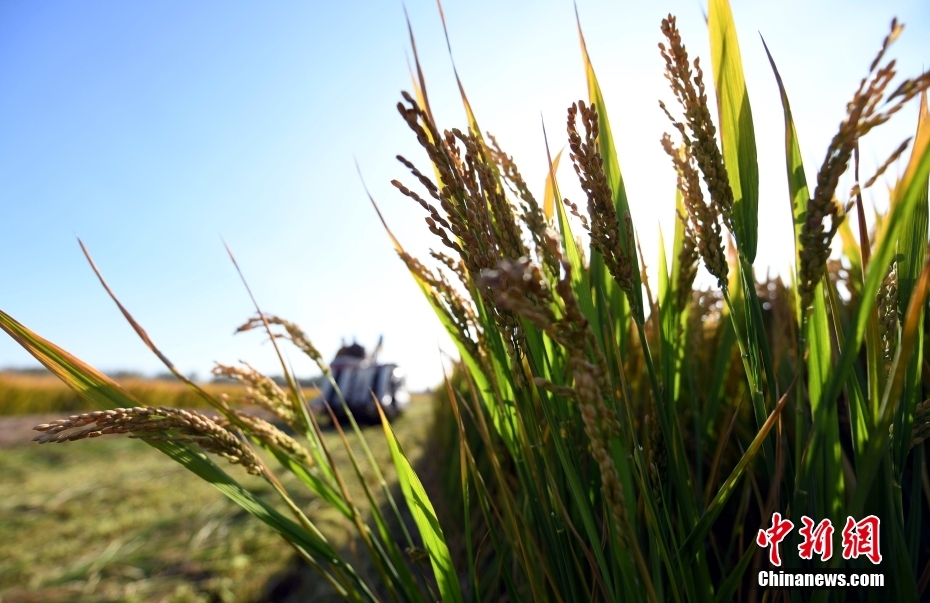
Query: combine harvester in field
[{"x": 362, "y": 380}]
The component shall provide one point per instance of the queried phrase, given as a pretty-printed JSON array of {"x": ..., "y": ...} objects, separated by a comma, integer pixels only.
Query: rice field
[
  {"x": 36, "y": 393},
  {"x": 603, "y": 438},
  {"x": 113, "y": 520}
]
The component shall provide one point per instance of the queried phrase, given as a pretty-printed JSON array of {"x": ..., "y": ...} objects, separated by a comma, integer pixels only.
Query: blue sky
[{"x": 156, "y": 130}]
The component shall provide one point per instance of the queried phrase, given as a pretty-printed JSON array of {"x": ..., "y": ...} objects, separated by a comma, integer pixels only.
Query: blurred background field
[
  {"x": 112, "y": 519},
  {"x": 38, "y": 391}
]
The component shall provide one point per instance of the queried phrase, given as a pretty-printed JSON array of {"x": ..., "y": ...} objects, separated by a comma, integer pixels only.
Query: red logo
[
  {"x": 816, "y": 540},
  {"x": 773, "y": 536},
  {"x": 861, "y": 538}
]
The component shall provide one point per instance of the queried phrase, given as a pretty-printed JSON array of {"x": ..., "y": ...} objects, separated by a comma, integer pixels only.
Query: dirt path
[{"x": 16, "y": 430}]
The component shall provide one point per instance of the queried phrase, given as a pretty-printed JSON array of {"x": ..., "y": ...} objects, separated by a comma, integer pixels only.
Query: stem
[
  {"x": 758, "y": 399},
  {"x": 681, "y": 475}
]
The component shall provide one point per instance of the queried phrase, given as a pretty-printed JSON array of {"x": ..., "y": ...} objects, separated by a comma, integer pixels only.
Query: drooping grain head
[
  {"x": 269, "y": 434},
  {"x": 292, "y": 332},
  {"x": 703, "y": 221},
  {"x": 519, "y": 287},
  {"x": 474, "y": 216},
  {"x": 159, "y": 424},
  {"x": 888, "y": 317},
  {"x": 468, "y": 329},
  {"x": 261, "y": 391},
  {"x": 698, "y": 131},
  {"x": 864, "y": 112},
  {"x": 604, "y": 225},
  {"x": 531, "y": 214}
]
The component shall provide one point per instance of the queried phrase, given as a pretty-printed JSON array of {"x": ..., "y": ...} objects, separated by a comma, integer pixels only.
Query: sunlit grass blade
[
  {"x": 384, "y": 553},
  {"x": 614, "y": 179},
  {"x": 827, "y": 479},
  {"x": 144, "y": 336},
  {"x": 285, "y": 367},
  {"x": 667, "y": 324},
  {"x": 425, "y": 517},
  {"x": 420, "y": 82},
  {"x": 737, "y": 133},
  {"x": 905, "y": 198},
  {"x": 580, "y": 498},
  {"x": 321, "y": 485},
  {"x": 819, "y": 351},
  {"x": 913, "y": 244},
  {"x": 464, "y": 485},
  {"x": 797, "y": 181},
  {"x": 594, "y": 443},
  {"x": 549, "y": 190},
  {"x": 912, "y": 255},
  {"x": 472, "y": 120},
  {"x": 860, "y": 416}
]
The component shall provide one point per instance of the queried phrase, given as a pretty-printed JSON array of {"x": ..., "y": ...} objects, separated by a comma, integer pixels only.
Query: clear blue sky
[{"x": 154, "y": 129}]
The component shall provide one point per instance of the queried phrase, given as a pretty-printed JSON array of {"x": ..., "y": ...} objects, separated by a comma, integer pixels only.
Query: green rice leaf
[
  {"x": 907, "y": 194},
  {"x": 425, "y": 517},
  {"x": 913, "y": 244},
  {"x": 797, "y": 182},
  {"x": 737, "y": 134},
  {"x": 828, "y": 469},
  {"x": 612, "y": 171},
  {"x": 911, "y": 257},
  {"x": 827, "y": 478}
]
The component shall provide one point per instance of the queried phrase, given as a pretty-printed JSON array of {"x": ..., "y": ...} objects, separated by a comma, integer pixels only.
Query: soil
[{"x": 16, "y": 430}]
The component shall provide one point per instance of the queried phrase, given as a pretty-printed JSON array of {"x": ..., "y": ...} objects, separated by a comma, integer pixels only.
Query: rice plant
[{"x": 610, "y": 441}]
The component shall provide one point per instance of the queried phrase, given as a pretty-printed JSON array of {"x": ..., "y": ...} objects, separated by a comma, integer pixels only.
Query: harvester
[{"x": 364, "y": 382}]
